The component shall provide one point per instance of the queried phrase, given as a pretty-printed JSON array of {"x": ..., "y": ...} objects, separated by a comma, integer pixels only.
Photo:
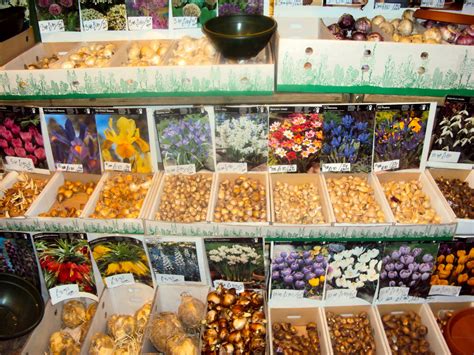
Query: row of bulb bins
[
  {"x": 300, "y": 317},
  {"x": 464, "y": 226},
  {"x": 38, "y": 341}
]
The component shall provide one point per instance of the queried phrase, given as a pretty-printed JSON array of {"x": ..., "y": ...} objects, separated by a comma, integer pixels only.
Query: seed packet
[
  {"x": 248, "y": 7},
  {"x": 192, "y": 14},
  {"x": 100, "y": 15},
  {"x": 147, "y": 14},
  {"x": 57, "y": 15}
]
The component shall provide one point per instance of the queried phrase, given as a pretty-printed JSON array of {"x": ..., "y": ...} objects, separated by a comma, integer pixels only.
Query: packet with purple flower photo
[
  {"x": 147, "y": 14},
  {"x": 185, "y": 138},
  {"x": 21, "y": 136},
  {"x": 57, "y": 15},
  {"x": 399, "y": 136},
  {"x": 406, "y": 271},
  {"x": 348, "y": 138},
  {"x": 74, "y": 140},
  {"x": 298, "y": 270},
  {"x": 247, "y": 7}
]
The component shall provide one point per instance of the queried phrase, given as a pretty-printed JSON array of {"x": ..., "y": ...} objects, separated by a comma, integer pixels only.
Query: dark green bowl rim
[{"x": 271, "y": 29}]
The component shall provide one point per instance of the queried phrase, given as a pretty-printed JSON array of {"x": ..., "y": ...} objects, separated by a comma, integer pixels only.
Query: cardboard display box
[{"x": 16, "y": 45}]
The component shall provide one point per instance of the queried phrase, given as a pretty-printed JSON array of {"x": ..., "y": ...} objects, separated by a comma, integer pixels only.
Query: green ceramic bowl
[{"x": 240, "y": 36}]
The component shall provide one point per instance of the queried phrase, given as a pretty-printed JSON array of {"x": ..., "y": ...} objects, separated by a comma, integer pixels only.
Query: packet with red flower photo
[
  {"x": 21, "y": 137},
  {"x": 57, "y": 15},
  {"x": 65, "y": 261},
  {"x": 295, "y": 139}
]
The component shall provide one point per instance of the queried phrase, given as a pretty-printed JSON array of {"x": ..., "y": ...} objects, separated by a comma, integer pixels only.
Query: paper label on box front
[
  {"x": 95, "y": 25},
  {"x": 387, "y": 165},
  {"x": 169, "y": 279},
  {"x": 19, "y": 164},
  {"x": 239, "y": 286},
  {"x": 289, "y": 3},
  {"x": 63, "y": 292},
  {"x": 188, "y": 169},
  {"x": 444, "y": 290},
  {"x": 283, "y": 168},
  {"x": 117, "y": 166},
  {"x": 140, "y": 23},
  {"x": 393, "y": 294},
  {"x": 51, "y": 26},
  {"x": 341, "y": 294},
  {"x": 387, "y": 6},
  {"x": 468, "y": 4},
  {"x": 73, "y": 168},
  {"x": 231, "y": 167},
  {"x": 185, "y": 22},
  {"x": 287, "y": 294},
  {"x": 119, "y": 280},
  {"x": 444, "y": 156},
  {"x": 336, "y": 167},
  {"x": 432, "y": 3}
]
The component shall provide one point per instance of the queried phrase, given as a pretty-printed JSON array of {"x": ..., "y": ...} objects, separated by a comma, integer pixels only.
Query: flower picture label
[
  {"x": 169, "y": 279},
  {"x": 289, "y": 3},
  {"x": 184, "y": 22},
  {"x": 73, "y": 168},
  {"x": 393, "y": 294},
  {"x": 140, "y": 23},
  {"x": 387, "y": 165},
  {"x": 341, "y": 294},
  {"x": 95, "y": 25},
  {"x": 63, "y": 292},
  {"x": 231, "y": 167},
  {"x": 336, "y": 167},
  {"x": 287, "y": 294},
  {"x": 19, "y": 164},
  {"x": 119, "y": 280},
  {"x": 239, "y": 286},
  {"x": 187, "y": 169},
  {"x": 283, "y": 168},
  {"x": 444, "y": 156},
  {"x": 444, "y": 290},
  {"x": 117, "y": 166},
  {"x": 51, "y": 26},
  {"x": 387, "y": 7}
]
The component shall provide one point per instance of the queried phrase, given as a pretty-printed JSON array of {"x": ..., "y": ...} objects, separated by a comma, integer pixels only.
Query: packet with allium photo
[
  {"x": 192, "y": 13},
  {"x": 103, "y": 15},
  {"x": 246, "y": 7},
  {"x": 147, "y": 14},
  {"x": 58, "y": 15}
]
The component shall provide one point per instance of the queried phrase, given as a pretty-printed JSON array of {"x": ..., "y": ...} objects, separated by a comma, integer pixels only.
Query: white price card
[
  {"x": 387, "y": 165},
  {"x": 73, "y": 168},
  {"x": 289, "y": 3},
  {"x": 231, "y": 167},
  {"x": 339, "y": 2},
  {"x": 63, "y": 292},
  {"x": 444, "y": 156},
  {"x": 341, "y": 294},
  {"x": 393, "y": 294},
  {"x": 169, "y": 279},
  {"x": 287, "y": 294},
  {"x": 239, "y": 286},
  {"x": 187, "y": 169},
  {"x": 336, "y": 167},
  {"x": 387, "y": 6},
  {"x": 95, "y": 25},
  {"x": 432, "y": 3},
  {"x": 185, "y": 22},
  {"x": 117, "y": 166},
  {"x": 119, "y": 280},
  {"x": 19, "y": 164},
  {"x": 283, "y": 168},
  {"x": 51, "y": 26},
  {"x": 140, "y": 23},
  {"x": 468, "y": 5},
  {"x": 444, "y": 290}
]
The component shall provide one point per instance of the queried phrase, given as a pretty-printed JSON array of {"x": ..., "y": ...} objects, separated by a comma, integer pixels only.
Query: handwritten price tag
[
  {"x": 63, "y": 292},
  {"x": 339, "y": 2},
  {"x": 432, "y": 3},
  {"x": 286, "y": 294},
  {"x": 119, "y": 280},
  {"x": 443, "y": 290},
  {"x": 74, "y": 168},
  {"x": 140, "y": 23},
  {"x": 185, "y": 22},
  {"x": 95, "y": 25},
  {"x": 468, "y": 5},
  {"x": 336, "y": 167},
  {"x": 289, "y": 2},
  {"x": 169, "y": 279},
  {"x": 444, "y": 156},
  {"x": 239, "y": 286},
  {"x": 19, "y": 164},
  {"x": 117, "y": 166},
  {"x": 393, "y": 294},
  {"x": 51, "y": 26},
  {"x": 341, "y": 294},
  {"x": 283, "y": 168},
  {"x": 387, "y": 6},
  {"x": 232, "y": 167},
  {"x": 188, "y": 169},
  {"x": 387, "y": 165}
]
